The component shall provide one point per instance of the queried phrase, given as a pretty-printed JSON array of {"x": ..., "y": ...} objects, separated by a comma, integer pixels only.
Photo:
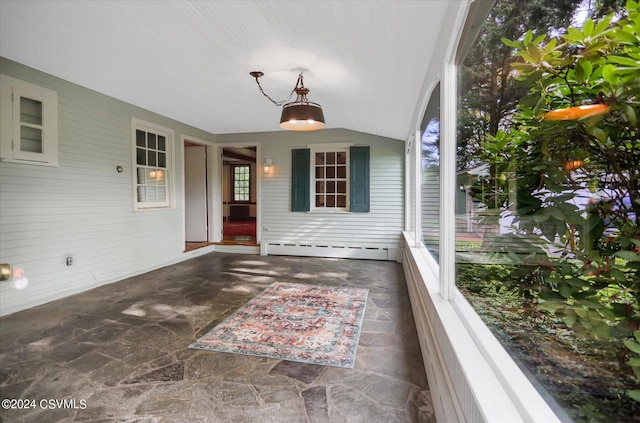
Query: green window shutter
[
  {"x": 300, "y": 179},
  {"x": 359, "y": 181}
]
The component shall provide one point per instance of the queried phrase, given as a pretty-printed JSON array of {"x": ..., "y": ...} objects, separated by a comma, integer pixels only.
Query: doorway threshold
[
  {"x": 239, "y": 241},
  {"x": 237, "y": 247},
  {"x": 190, "y": 246}
]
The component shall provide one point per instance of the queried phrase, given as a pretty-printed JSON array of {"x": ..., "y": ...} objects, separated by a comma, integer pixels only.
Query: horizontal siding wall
[
  {"x": 84, "y": 208},
  {"x": 376, "y": 230}
]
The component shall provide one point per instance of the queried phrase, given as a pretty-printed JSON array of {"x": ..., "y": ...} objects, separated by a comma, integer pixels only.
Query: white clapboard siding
[
  {"x": 331, "y": 234},
  {"x": 84, "y": 208}
]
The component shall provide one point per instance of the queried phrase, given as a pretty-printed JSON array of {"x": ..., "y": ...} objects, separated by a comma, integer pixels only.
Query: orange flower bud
[{"x": 577, "y": 112}]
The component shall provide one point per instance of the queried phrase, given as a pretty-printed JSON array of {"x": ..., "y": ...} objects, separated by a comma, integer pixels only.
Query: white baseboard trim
[{"x": 237, "y": 249}]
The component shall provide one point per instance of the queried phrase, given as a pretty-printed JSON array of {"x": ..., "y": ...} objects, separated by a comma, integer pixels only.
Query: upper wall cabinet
[{"x": 28, "y": 123}]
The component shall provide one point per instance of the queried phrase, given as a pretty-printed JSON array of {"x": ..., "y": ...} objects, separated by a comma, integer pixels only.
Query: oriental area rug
[{"x": 295, "y": 322}]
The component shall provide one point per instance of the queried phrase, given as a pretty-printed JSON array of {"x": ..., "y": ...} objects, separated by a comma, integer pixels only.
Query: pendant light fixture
[{"x": 298, "y": 115}]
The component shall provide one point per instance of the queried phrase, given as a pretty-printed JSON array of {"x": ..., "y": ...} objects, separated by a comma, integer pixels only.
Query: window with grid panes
[
  {"x": 241, "y": 182},
  {"x": 331, "y": 181},
  {"x": 152, "y": 185}
]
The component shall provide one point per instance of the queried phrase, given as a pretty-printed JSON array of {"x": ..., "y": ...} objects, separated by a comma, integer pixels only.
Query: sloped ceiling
[{"x": 364, "y": 61}]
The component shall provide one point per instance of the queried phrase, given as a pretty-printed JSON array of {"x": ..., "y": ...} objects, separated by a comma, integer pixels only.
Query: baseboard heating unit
[{"x": 330, "y": 250}]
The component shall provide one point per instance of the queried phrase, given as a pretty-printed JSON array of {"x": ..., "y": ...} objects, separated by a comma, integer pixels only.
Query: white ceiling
[{"x": 364, "y": 61}]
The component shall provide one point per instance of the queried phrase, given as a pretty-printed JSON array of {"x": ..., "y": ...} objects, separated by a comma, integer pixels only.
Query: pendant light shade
[
  {"x": 298, "y": 115},
  {"x": 302, "y": 116}
]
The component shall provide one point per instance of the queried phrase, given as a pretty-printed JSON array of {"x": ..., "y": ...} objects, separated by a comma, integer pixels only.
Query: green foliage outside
[
  {"x": 582, "y": 262},
  {"x": 490, "y": 94},
  {"x": 582, "y": 374}
]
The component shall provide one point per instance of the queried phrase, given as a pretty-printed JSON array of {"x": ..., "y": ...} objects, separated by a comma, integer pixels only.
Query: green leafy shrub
[{"x": 576, "y": 133}]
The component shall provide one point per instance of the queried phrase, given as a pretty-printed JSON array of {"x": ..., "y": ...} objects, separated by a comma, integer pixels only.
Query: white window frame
[
  {"x": 233, "y": 178},
  {"x": 11, "y": 90},
  {"x": 324, "y": 148},
  {"x": 138, "y": 124}
]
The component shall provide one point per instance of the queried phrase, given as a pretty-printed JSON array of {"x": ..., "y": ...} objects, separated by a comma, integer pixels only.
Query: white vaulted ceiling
[{"x": 364, "y": 61}]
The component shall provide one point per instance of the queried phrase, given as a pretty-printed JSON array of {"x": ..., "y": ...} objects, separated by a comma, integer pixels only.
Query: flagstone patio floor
[{"x": 120, "y": 351}]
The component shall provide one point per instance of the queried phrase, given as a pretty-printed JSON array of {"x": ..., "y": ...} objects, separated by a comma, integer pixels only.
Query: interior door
[{"x": 195, "y": 186}]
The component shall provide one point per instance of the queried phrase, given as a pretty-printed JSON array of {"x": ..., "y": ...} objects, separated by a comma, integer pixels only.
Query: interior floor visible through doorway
[{"x": 228, "y": 240}]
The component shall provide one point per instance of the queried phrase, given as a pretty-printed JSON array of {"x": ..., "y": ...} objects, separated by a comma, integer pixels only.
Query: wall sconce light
[
  {"x": 267, "y": 165},
  {"x": 298, "y": 115},
  {"x": 462, "y": 188},
  {"x": 17, "y": 275}
]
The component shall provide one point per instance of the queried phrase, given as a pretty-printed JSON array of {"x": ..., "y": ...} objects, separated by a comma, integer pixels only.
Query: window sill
[
  {"x": 473, "y": 376},
  {"x": 51, "y": 163},
  {"x": 151, "y": 208},
  {"x": 329, "y": 212}
]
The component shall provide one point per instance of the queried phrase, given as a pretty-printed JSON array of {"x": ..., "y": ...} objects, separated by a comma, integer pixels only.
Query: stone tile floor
[{"x": 120, "y": 352}]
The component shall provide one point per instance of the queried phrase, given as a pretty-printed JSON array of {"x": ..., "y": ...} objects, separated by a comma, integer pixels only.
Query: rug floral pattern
[{"x": 296, "y": 322}]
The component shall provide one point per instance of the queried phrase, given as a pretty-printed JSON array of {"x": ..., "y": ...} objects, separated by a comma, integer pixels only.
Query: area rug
[
  {"x": 296, "y": 322},
  {"x": 235, "y": 228}
]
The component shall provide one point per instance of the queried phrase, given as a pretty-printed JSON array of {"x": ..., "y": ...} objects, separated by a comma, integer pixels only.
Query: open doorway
[{"x": 239, "y": 195}]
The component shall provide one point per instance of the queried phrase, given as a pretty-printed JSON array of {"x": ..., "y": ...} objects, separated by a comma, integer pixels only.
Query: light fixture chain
[{"x": 281, "y": 102}]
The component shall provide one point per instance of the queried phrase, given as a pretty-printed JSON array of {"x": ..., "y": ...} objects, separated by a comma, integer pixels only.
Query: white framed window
[
  {"x": 330, "y": 177},
  {"x": 152, "y": 159},
  {"x": 29, "y": 122},
  {"x": 241, "y": 175}
]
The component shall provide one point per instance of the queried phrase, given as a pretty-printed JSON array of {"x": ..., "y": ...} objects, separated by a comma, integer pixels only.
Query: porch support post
[{"x": 447, "y": 180}]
